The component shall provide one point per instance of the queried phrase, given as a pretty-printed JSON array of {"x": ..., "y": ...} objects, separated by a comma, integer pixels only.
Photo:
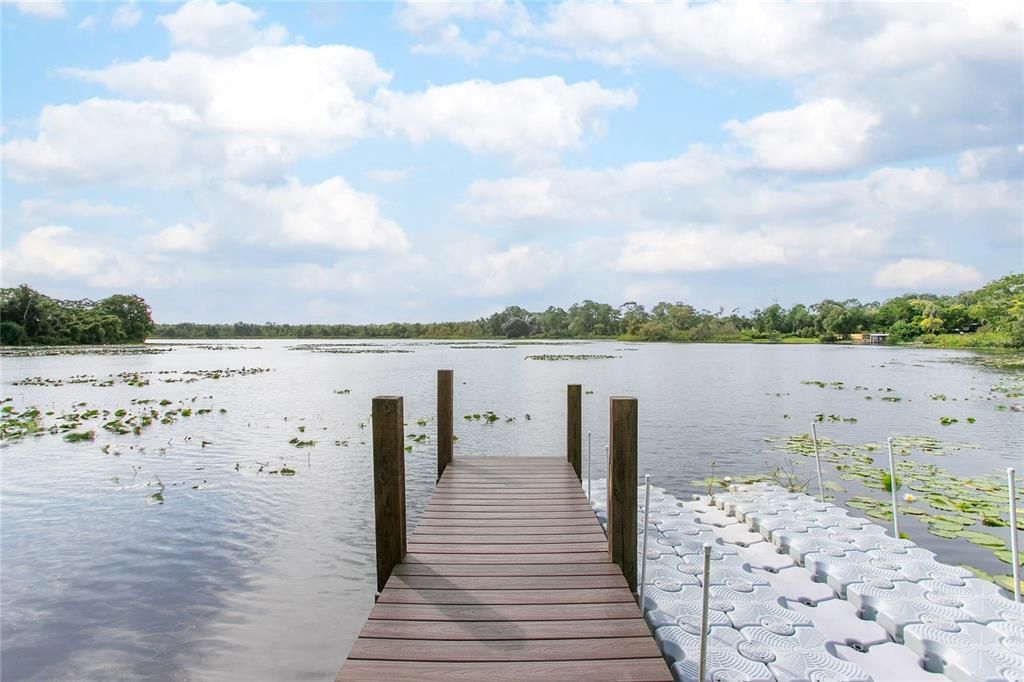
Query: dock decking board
[{"x": 507, "y": 577}]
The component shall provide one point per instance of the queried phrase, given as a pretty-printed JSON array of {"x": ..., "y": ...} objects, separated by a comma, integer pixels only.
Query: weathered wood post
[
  {"x": 574, "y": 429},
  {"x": 622, "y": 472},
  {"x": 445, "y": 418},
  {"x": 388, "y": 484}
]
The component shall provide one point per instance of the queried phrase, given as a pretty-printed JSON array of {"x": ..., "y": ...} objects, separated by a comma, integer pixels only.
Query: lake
[{"x": 184, "y": 553}]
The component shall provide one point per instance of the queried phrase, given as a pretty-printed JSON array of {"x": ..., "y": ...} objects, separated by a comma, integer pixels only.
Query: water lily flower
[{"x": 909, "y": 498}]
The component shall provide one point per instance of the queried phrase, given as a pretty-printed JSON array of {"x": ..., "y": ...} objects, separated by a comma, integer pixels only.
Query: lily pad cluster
[
  {"x": 16, "y": 424},
  {"x": 347, "y": 348},
  {"x": 41, "y": 351},
  {"x": 952, "y": 507},
  {"x": 577, "y": 356}
]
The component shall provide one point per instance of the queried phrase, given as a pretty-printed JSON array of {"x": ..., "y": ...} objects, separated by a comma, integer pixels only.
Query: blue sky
[{"x": 362, "y": 162}]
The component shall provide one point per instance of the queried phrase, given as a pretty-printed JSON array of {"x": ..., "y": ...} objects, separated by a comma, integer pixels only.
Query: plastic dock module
[
  {"x": 801, "y": 590},
  {"x": 501, "y": 582}
]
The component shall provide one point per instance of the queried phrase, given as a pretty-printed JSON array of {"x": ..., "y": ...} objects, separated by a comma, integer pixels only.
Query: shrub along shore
[{"x": 989, "y": 317}]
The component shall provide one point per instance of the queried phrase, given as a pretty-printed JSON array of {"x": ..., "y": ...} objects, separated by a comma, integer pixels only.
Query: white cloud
[
  {"x": 388, "y": 175},
  {"x": 926, "y": 79},
  {"x": 36, "y": 211},
  {"x": 823, "y": 135},
  {"x": 87, "y": 24},
  {"x": 528, "y": 119},
  {"x": 99, "y": 141},
  {"x": 211, "y": 26},
  {"x": 919, "y": 274},
  {"x": 126, "y": 16},
  {"x": 992, "y": 162},
  {"x": 517, "y": 269},
  {"x": 181, "y": 238},
  {"x": 276, "y": 95},
  {"x": 47, "y": 251},
  {"x": 330, "y": 214},
  {"x": 705, "y": 249},
  {"x": 43, "y": 9},
  {"x": 437, "y": 24}
]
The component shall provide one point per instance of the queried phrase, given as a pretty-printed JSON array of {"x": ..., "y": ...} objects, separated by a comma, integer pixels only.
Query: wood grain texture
[
  {"x": 445, "y": 427},
  {"x": 622, "y": 474},
  {"x": 631, "y": 670},
  {"x": 388, "y": 484},
  {"x": 574, "y": 429},
  {"x": 507, "y": 577}
]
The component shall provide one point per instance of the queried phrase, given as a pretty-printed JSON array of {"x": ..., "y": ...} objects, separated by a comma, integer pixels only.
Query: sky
[{"x": 369, "y": 162}]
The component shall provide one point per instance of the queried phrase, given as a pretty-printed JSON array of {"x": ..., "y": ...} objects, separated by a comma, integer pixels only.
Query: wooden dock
[{"x": 508, "y": 576}]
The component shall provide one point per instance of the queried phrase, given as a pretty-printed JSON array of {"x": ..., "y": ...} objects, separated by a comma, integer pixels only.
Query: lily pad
[{"x": 983, "y": 539}]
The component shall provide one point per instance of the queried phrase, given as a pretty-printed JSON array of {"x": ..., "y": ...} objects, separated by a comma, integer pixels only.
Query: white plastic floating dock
[{"x": 801, "y": 590}]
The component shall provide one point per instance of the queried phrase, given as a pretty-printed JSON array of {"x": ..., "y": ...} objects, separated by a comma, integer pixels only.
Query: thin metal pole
[
  {"x": 704, "y": 613},
  {"x": 588, "y": 465},
  {"x": 817, "y": 462},
  {"x": 1012, "y": 480},
  {"x": 647, "y": 518},
  {"x": 892, "y": 487}
]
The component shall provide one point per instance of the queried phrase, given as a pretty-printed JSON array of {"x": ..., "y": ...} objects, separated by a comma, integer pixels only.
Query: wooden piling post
[
  {"x": 622, "y": 482},
  {"x": 574, "y": 429},
  {"x": 389, "y": 484},
  {"x": 445, "y": 418}
]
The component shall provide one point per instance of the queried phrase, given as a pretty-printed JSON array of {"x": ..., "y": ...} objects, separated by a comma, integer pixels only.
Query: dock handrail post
[
  {"x": 388, "y": 484},
  {"x": 622, "y": 486},
  {"x": 445, "y": 419},
  {"x": 574, "y": 428},
  {"x": 892, "y": 489},
  {"x": 1011, "y": 481}
]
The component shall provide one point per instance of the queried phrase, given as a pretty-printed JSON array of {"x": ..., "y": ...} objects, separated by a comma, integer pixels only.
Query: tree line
[
  {"x": 28, "y": 317},
  {"x": 992, "y": 315}
]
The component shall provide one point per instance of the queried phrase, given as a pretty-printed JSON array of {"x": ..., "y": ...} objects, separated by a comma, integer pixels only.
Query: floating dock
[
  {"x": 513, "y": 574},
  {"x": 801, "y": 590}
]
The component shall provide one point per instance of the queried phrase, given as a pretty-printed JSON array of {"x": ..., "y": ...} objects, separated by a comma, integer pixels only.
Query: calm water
[{"x": 239, "y": 573}]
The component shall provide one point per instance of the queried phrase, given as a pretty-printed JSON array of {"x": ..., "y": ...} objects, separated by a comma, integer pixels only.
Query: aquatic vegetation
[
  {"x": 302, "y": 443},
  {"x": 79, "y": 436},
  {"x": 892, "y": 398},
  {"x": 836, "y": 385},
  {"x": 347, "y": 348},
  {"x": 579, "y": 356},
  {"x": 947, "y": 421},
  {"x": 831, "y": 418},
  {"x": 41, "y": 351},
  {"x": 952, "y": 507},
  {"x": 477, "y": 346}
]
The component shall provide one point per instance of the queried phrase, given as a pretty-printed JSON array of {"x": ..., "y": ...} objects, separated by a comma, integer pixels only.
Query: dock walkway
[{"x": 506, "y": 577}]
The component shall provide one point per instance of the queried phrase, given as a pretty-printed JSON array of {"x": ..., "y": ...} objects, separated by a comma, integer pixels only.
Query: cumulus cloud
[
  {"x": 918, "y": 274},
  {"x": 211, "y": 26},
  {"x": 274, "y": 95},
  {"x": 703, "y": 249},
  {"x": 911, "y": 80},
  {"x": 823, "y": 135},
  {"x": 518, "y": 269},
  {"x": 329, "y": 214},
  {"x": 47, "y": 251},
  {"x": 181, "y": 238},
  {"x": 526, "y": 119},
  {"x": 96, "y": 141}
]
